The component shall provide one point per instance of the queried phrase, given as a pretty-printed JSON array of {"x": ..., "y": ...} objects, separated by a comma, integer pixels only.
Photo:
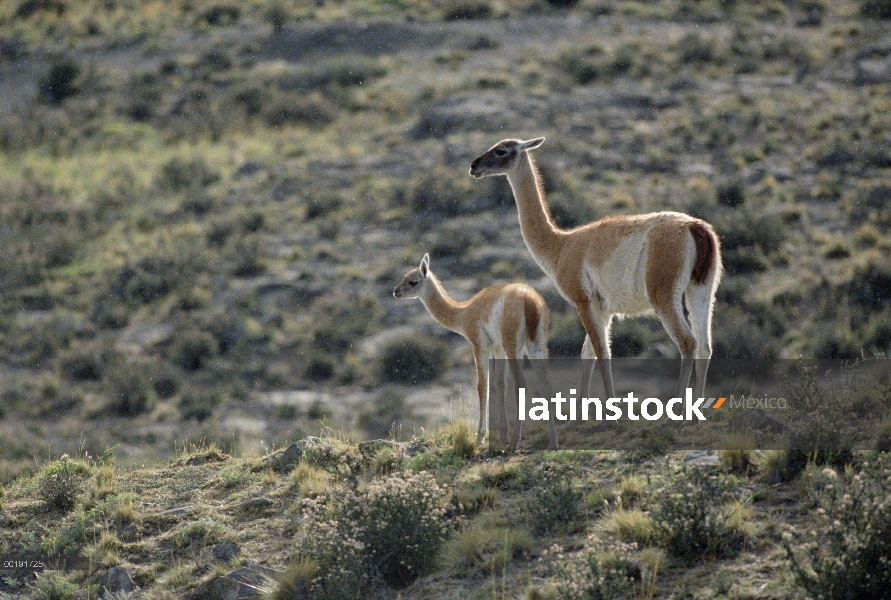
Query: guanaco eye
[
  {"x": 412, "y": 283},
  {"x": 500, "y": 152}
]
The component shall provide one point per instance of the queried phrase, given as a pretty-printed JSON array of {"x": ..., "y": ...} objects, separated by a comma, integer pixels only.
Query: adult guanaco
[{"x": 619, "y": 265}]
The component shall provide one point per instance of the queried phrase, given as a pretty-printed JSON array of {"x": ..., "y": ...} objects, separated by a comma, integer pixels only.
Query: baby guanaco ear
[
  {"x": 425, "y": 265},
  {"x": 532, "y": 144}
]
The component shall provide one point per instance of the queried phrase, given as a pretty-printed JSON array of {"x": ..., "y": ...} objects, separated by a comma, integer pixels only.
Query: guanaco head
[
  {"x": 414, "y": 280},
  {"x": 502, "y": 157}
]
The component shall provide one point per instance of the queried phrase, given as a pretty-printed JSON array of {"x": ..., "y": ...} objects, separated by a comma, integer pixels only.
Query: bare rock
[
  {"x": 119, "y": 580},
  {"x": 754, "y": 420},
  {"x": 285, "y": 460},
  {"x": 225, "y": 552},
  {"x": 256, "y": 504},
  {"x": 873, "y": 68},
  {"x": 703, "y": 458}
]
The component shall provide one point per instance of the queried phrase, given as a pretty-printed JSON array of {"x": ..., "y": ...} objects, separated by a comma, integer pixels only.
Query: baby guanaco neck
[{"x": 441, "y": 307}]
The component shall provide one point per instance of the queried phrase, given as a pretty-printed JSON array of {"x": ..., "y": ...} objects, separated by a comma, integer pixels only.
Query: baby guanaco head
[{"x": 414, "y": 281}]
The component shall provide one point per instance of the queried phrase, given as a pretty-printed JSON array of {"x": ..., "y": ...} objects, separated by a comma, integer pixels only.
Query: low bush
[
  {"x": 339, "y": 321},
  {"x": 876, "y": 9},
  {"x": 82, "y": 367},
  {"x": 599, "y": 571},
  {"x": 486, "y": 548},
  {"x": 53, "y": 586},
  {"x": 129, "y": 393},
  {"x": 694, "y": 48},
  {"x": 846, "y": 553},
  {"x": 194, "y": 349},
  {"x": 413, "y": 360},
  {"x": 61, "y": 482},
  {"x": 689, "y": 517},
  {"x": 389, "y": 531},
  {"x": 61, "y": 82},
  {"x": 464, "y": 10},
  {"x": 146, "y": 281},
  {"x": 221, "y": 14},
  {"x": 731, "y": 193},
  {"x": 198, "y": 405},
  {"x": 179, "y": 174},
  {"x": 556, "y": 505},
  {"x": 385, "y": 415}
]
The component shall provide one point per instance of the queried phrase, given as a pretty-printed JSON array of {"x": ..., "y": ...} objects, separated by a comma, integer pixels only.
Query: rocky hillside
[{"x": 206, "y": 205}]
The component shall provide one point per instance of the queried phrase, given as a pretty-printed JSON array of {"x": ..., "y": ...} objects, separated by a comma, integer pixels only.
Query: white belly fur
[
  {"x": 491, "y": 328},
  {"x": 621, "y": 279}
]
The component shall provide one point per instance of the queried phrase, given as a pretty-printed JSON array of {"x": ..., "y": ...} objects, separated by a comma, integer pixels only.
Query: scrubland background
[{"x": 206, "y": 204}]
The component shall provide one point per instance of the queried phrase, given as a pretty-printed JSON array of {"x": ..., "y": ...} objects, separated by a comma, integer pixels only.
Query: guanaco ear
[
  {"x": 531, "y": 144},
  {"x": 425, "y": 266}
]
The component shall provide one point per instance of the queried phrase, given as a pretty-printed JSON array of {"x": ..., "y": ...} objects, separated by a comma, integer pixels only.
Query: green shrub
[
  {"x": 629, "y": 338},
  {"x": 484, "y": 547},
  {"x": 876, "y": 9},
  {"x": 51, "y": 585},
  {"x": 198, "y": 405},
  {"x": 129, "y": 394},
  {"x": 569, "y": 206},
  {"x": 689, "y": 518},
  {"x": 146, "y": 281},
  {"x": 221, "y": 14},
  {"x": 216, "y": 60},
  {"x": 870, "y": 285},
  {"x": 731, "y": 193},
  {"x": 598, "y": 572},
  {"x": 194, "y": 536},
  {"x": 413, "y": 360},
  {"x": 693, "y": 48},
  {"x": 585, "y": 66},
  {"x": 82, "y": 367},
  {"x": 742, "y": 334},
  {"x": 567, "y": 335},
  {"x": 747, "y": 228},
  {"x": 462, "y": 10},
  {"x": 335, "y": 457},
  {"x": 29, "y": 7},
  {"x": 846, "y": 553},
  {"x": 194, "y": 349},
  {"x": 61, "y": 82},
  {"x": 391, "y": 530},
  {"x": 179, "y": 174},
  {"x": 556, "y": 505},
  {"x": 436, "y": 193},
  {"x": 386, "y": 414},
  {"x": 883, "y": 436},
  {"x": 737, "y": 453},
  {"x": 277, "y": 17},
  {"x": 821, "y": 429},
  {"x": 310, "y": 112},
  {"x": 320, "y": 368},
  {"x": 339, "y": 321},
  {"x": 61, "y": 482}
]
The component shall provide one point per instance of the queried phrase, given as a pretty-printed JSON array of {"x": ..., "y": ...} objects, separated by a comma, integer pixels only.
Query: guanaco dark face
[
  {"x": 502, "y": 157},
  {"x": 414, "y": 280}
]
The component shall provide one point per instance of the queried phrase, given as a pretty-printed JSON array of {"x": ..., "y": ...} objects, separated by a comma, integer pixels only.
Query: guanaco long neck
[
  {"x": 539, "y": 231},
  {"x": 445, "y": 310}
]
